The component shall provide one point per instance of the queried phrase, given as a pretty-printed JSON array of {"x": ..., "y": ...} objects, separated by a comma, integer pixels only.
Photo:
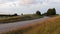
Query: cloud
[
  {"x": 27, "y": 6},
  {"x": 26, "y": 2},
  {"x": 6, "y": 1}
]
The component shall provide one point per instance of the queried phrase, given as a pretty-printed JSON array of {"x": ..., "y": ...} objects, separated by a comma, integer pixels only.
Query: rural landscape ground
[{"x": 48, "y": 26}]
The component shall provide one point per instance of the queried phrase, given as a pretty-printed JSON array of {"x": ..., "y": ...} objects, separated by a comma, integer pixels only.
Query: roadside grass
[
  {"x": 48, "y": 26},
  {"x": 19, "y": 18}
]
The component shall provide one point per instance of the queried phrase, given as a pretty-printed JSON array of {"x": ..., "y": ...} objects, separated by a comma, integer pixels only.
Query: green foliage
[
  {"x": 51, "y": 12},
  {"x": 38, "y": 13},
  {"x": 54, "y": 11},
  {"x": 15, "y": 14}
]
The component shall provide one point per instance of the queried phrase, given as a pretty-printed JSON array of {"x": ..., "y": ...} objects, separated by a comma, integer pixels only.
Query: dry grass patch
[{"x": 48, "y": 26}]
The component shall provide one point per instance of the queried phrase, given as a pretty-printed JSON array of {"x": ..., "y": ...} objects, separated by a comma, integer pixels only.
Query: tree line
[{"x": 49, "y": 12}]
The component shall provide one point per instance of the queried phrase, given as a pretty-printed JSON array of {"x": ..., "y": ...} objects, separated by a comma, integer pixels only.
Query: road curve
[{"x": 9, "y": 26}]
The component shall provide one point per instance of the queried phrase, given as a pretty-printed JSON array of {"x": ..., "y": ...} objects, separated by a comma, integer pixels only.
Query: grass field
[
  {"x": 48, "y": 26},
  {"x": 19, "y": 18}
]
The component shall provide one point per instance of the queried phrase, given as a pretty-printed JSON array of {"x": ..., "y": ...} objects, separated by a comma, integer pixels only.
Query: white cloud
[
  {"x": 26, "y": 1},
  {"x": 27, "y": 6},
  {"x": 5, "y": 1}
]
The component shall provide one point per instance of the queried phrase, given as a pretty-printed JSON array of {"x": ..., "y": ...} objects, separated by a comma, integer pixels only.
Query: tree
[
  {"x": 38, "y": 13},
  {"x": 51, "y": 12},
  {"x": 54, "y": 11},
  {"x": 15, "y": 14}
]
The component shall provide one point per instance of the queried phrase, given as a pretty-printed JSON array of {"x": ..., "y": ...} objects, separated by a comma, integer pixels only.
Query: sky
[{"x": 28, "y": 6}]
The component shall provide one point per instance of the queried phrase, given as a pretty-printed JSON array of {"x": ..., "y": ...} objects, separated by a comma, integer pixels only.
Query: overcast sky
[{"x": 27, "y": 6}]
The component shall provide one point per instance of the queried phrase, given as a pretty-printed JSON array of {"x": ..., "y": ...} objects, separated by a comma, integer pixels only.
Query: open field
[
  {"x": 48, "y": 26},
  {"x": 18, "y": 18}
]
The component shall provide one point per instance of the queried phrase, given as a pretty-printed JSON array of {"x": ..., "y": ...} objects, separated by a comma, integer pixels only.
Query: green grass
[
  {"x": 48, "y": 26},
  {"x": 19, "y": 18}
]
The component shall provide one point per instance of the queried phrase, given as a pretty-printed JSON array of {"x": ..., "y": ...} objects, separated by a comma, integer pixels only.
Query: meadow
[
  {"x": 48, "y": 26},
  {"x": 10, "y": 19}
]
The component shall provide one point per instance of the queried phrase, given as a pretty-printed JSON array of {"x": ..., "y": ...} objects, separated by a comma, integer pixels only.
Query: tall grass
[{"x": 48, "y": 26}]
